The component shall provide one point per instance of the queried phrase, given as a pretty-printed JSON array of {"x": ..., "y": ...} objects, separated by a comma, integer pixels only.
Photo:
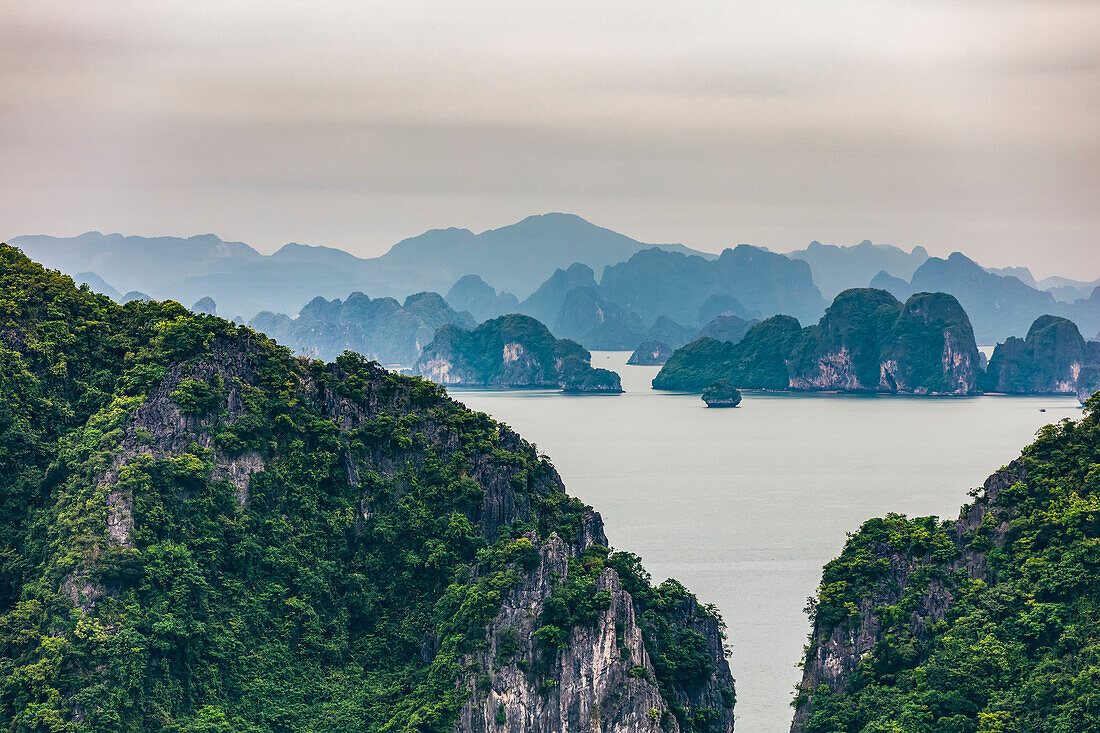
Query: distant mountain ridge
[
  {"x": 999, "y": 305},
  {"x": 514, "y": 258},
  {"x": 585, "y": 282},
  {"x": 380, "y": 329},
  {"x": 837, "y": 268}
]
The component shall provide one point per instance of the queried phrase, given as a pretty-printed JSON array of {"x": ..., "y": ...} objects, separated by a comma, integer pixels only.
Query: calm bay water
[{"x": 745, "y": 506}]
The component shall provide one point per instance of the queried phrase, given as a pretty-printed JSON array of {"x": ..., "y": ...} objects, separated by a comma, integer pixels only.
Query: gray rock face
[
  {"x": 512, "y": 351},
  {"x": 650, "y": 353},
  {"x": 601, "y": 681},
  {"x": 1088, "y": 382},
  {"x": 158, "y": 429},
  {"x": 835, "y": 652},
  {"x": 471, "y": 293},
  {"x": 1052, "y": 359},
  {"x": 205, "y": 305},
  {"x": 868, "y": 341}
]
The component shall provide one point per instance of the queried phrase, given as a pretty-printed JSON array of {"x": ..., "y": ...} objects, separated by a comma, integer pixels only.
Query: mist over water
[{"x": 745, "y": 506}]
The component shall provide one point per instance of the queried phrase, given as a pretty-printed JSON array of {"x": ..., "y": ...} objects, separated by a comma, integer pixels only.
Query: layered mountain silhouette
[
  {"x": 515, "y": 258},
  {"x": 837, "y": 268},
  {"x": 587, "y": 283},
  {"x": 999, "y": 305}
]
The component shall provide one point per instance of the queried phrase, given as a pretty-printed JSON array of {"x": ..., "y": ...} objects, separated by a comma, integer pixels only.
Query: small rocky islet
[
  {"x": 721, "y": 393},
  {"x": 650, "y": 353}
]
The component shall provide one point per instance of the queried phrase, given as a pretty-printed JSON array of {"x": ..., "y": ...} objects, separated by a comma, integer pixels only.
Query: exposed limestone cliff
[
  {"x": 380, "y": 328},
  {"x": 602, "y": 679},
  {"x": 866, "y": 342},
  {"x": 984, "y": 623},
  {"x": 1051, "y": 359},
  {"x": 512, "y": 351},
  {"x": 650, "y": 353},
  {"x": 835, "y": 650}
]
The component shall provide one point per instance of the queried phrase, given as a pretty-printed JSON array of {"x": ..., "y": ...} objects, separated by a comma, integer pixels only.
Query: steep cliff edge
[
  {"x": 512, "y": 351},
  {"x": 985, "y": 623},
  {"x": 866, "y": 342},
  {"x": 650, "y": 353},
  {"x": 202, "y": 532},
  {"x": 1051, "y": 359}
]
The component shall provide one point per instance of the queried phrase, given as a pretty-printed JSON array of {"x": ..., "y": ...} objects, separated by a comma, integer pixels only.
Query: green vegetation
[
  {"x": 858, "y": 321},
  {"x": 988, "y": 624},
  {"x": 758, "y": 361},
  {"x": 1050, "y": 359},
  {"x": 650, "y": 353},
  {"x": 721, "y": 394},
  {"x": 512, "y": 351},
  {"x": 931, "y": 331},
  {"x": 866, "y": 341},
  {"x": 678, "y": 652},
  {"x": 143, "y": 587}
]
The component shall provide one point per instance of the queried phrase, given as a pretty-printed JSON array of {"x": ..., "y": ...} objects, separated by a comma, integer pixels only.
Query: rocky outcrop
[
  {"x": 924, "y": 586},
  {"x": 545, "y": 304},
  {"x": 668, "y": 331},
  {"x": 512, "y": 351},
  {"x": 653, "y": 283},
  {"x": 380, "y": 328},
  {"x": 931, "y": 348},
  {"x": 1088, "y": 382},
  {"x": 602, "y": 680},
  {"x": 1052, "y": 359},
  {"x": 866, "y": 342},
  {"x": 588, "y": 319},
  {"x": 216, "y": 481},
  {"x": 593, "y": 381},
  {"x": 650, "y": 353},
  {"x": 160, "y": 428},
  {"x": 721, "y": 394}
]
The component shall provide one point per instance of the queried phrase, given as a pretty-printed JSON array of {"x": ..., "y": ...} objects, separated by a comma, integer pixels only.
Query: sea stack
[
  {"x": 650, "y": 353},
  {"x": 721, "y": 393}
]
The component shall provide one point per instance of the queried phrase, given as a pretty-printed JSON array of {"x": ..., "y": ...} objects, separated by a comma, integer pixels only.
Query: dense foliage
[
  {"x": 858, "y": 321},
  {"x": 722, "y": 394},
  {"x": 512, "y": 351},
  {"x": 866, "y": 341},
  {"x": 758, "y": 361},
  {"x": 650, "y": 353},
  {"x": 143, "y": 589},
  {"x": 1013, "y": 648}
]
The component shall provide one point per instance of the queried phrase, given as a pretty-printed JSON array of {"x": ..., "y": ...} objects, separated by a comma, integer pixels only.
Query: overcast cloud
[{"x": 954, "y": 124}]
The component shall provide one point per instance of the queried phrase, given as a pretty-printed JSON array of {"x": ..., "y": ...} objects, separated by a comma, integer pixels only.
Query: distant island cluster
[{"x": 900, "y": 322}]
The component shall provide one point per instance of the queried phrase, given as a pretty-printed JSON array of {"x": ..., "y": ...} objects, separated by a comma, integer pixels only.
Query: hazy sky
[{"x": 955, "y": 124}]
